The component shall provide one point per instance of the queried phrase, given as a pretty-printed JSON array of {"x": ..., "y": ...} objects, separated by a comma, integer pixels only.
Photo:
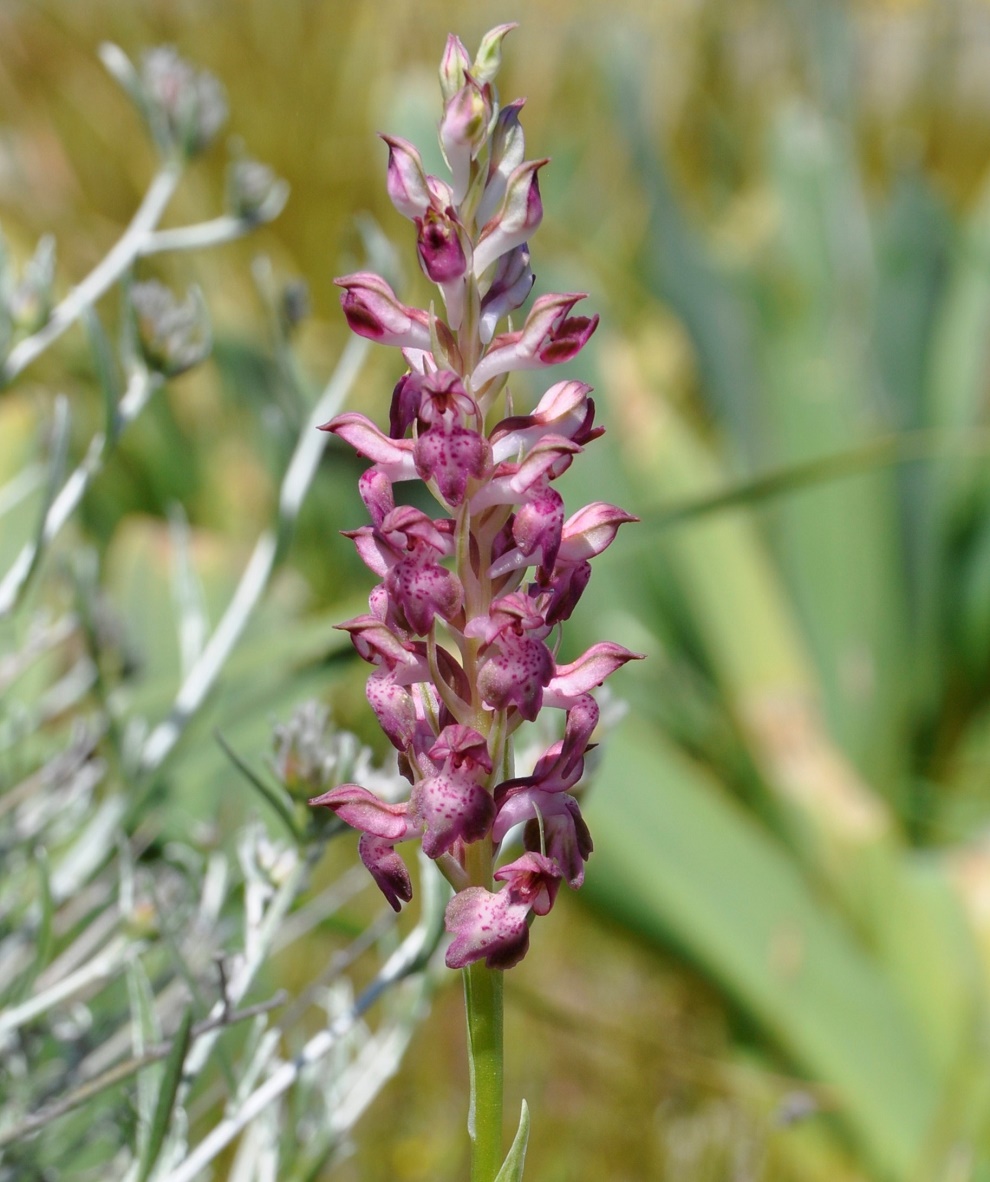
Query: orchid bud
[
  {"x": 488, "y": 59},
  {"x": 510, "y": 287},
  {"x": 506, "y": 152},
  {"x": 518, "y": 217},
  {"x": 454, "y": 64},
  {"x": 464, "y": 131},
  {"x": 406, "y": 179},
  {"x": 373, "y": 310}
]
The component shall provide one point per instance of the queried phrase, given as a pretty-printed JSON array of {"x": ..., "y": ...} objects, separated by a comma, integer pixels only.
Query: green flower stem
[{"x": 483, "y": 1000}]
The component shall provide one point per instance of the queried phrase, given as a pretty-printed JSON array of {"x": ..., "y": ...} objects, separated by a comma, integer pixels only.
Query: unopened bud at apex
[
  {"x": 185, "y": 107},
  {"x": 29, "y": 303},
  {"x": 254, "y": 193},
  {"x": 173, "y": 337}
]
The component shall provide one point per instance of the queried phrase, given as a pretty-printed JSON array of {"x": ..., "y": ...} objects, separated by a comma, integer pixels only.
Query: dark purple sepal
[{"x": 387, "y": 869}]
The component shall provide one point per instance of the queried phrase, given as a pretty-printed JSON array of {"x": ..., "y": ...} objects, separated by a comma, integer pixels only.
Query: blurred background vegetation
[{"x": 780, "y": 966}]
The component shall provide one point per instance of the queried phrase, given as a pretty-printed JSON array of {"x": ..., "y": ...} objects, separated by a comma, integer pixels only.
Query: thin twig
[
  {"x": 139, "y": 390},
  {"x": 298, "y": 477},
  {"x": 121, "y": 1071},
  {"x": 404, "y": 960},
  {"x": 103, "y": 276}
]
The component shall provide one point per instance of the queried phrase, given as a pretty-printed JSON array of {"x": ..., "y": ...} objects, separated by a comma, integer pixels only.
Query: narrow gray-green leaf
[
  {"x": 512, "y": 1167},
  {"x": 171, "y": 1078}
]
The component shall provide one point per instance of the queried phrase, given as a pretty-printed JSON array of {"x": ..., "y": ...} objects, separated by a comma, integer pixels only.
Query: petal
[
  {"x": 464, "y": 747},
  {"x": 451, "y": 807},
  {"x": 439, "y": 248},
  {"x": 451, "y": 458},
  {"x": 547, "y": 460},
  {"x": 420, "y": 591},
  {"x": 565, "y": 409},
  {"x": 373, "y": 310},
  {"x": 394, "y": 456},
  {"x": 536, "y": 528},
  {"x": 568, "y": 841},
  {"x": 518, "y": 217},
  {"x": 376, "y": 491},
  {"x": 565, "y": 589},
  {"x": 533, "y": 879},
  {"x": 582, "y": 718},
  {"x": 520, "y": 806},
  {"x": 591, "y": 530},
  {"x": 394, "y": 708},
  {"x": 514, "y": 675},
  {"x": 548, "y": 337},
  {"x": 486, "y": 925},
  {"x": 510, "y": 287},
  {"x": 406, "y": 178},
  {"x": 387, "y": 869},
  {"x": 589, "y": 670},
  {"x": 363, "y": 810}
]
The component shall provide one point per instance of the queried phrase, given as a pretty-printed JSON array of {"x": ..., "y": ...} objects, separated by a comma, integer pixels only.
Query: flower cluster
[{"x": 462, "y": 627}]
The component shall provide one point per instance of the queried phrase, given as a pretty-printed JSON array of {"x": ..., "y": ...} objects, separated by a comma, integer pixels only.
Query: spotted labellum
[{"x": 463, "y": 628}]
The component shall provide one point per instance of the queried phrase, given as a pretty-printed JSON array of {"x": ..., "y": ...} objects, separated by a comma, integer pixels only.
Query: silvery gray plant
[{"x": 140, "y": 1035}]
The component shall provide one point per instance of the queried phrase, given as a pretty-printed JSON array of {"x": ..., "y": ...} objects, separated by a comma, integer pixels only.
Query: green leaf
[
  {"x": 167, "y": 1092},
  {"x": 682, "y": 863},
  {"x": 273, "y": 795},
  {"x": 512, "y": 1167}
]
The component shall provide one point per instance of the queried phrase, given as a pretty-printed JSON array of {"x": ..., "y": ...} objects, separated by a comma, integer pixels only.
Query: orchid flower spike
[{"x": 461, "y": 629}]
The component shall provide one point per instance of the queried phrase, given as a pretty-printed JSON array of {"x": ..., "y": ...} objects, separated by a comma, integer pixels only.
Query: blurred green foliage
[{"x": 781, "y": 211}]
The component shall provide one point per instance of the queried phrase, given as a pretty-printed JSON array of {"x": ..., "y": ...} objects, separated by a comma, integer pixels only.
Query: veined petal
[
  {"x": 406, "y": 178},
  {"x": 363, "y": 810},
  {"x": 550, "y": 336},
  {"x": 451, "y": 457},
  {"x": 517, "y": 219},
  {"x": 394, "y": 456},
  {"x": 591, "y": 530},
  {"x": 589, "y": 670},
  {"x": 514, "y": 673},
  {"x": 373, "y": 310},
  {"x": 421, "y": 590}
]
